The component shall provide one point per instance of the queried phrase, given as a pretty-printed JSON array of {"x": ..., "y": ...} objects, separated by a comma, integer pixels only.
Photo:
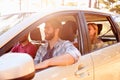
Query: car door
[
  {"x": 83, "y": 69},
  {"x": 106, "y": 59}
]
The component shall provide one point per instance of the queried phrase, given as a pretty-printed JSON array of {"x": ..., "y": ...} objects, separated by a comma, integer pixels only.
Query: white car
[{"x": 99, "y": 64}]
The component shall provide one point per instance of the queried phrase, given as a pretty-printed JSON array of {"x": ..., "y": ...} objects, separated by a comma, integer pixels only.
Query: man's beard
[{"x": 50, "y": 36}]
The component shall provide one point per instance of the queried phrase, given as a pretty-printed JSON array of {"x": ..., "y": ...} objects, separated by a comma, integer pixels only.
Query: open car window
[
  {"x": 66, "y": 33},
  {"x": 105, "y": 31}
]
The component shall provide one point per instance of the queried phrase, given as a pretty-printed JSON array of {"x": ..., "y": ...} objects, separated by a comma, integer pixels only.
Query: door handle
[{"x": 82, "y": 72}]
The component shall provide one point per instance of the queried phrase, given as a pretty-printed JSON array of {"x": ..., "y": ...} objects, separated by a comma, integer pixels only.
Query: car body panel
[
  {"x": 82, "y": 70},
  {"x": 106, "y": 63}
]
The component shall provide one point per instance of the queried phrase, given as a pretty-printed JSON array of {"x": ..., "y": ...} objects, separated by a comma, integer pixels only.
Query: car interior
[
  {"x": 105, "y": 32},
  {"x": 66, "y": 34},
  {"x": 69, "y": 32},
  {"x": 35, "y": 37}
]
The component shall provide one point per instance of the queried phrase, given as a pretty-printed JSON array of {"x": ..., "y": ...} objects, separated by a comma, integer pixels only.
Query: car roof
[{"x": 65, "y": 8}]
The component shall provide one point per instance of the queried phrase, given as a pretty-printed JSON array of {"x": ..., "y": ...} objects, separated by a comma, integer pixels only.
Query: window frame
[{"x": 109, "y": 18}]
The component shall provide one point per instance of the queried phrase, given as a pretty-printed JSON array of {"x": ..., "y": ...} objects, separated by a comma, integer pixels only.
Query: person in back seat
[{"x": 24, "y": 46}]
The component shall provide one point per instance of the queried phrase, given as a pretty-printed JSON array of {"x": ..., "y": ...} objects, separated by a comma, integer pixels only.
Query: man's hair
[{"x": 54, "y": 23}]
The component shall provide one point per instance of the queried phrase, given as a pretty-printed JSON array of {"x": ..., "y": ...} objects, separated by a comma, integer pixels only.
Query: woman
[{"x": 93, "y": 33}]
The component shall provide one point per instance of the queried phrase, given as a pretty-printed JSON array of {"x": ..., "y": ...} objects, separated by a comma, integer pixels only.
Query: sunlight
[
  {"x": 41, "y": 27},
  {"x": 6, "y": 8},
  {"x": 35, "y": 5}
]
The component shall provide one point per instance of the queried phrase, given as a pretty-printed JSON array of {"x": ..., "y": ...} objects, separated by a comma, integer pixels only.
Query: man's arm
[{"x": 62, "y": 60}]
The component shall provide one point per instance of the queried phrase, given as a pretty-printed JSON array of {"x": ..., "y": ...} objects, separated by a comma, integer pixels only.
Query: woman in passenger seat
[{"x": 93, "y": 33}]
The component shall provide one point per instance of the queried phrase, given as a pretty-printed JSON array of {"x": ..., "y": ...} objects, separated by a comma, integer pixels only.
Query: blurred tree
[
  {"x": 111, "y": 5},
  {"x": 116, "y": 7},
  {"x": 90, "y": 3},
  {"x": 108, "y": 3}
]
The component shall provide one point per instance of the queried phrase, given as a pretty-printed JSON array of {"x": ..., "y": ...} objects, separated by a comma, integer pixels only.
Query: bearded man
[{"x": 55, "y": 52}]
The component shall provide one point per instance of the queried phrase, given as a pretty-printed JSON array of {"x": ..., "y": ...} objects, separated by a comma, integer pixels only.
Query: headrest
[
  {"x": 99, "y": 28},
  {"x": 35, "y": 34}
]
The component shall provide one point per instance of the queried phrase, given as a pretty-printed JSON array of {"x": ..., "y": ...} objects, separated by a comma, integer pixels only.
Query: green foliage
[{"x": 111, "y": 5}]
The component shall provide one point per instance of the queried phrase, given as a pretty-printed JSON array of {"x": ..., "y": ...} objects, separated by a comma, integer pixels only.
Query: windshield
[{"x": 9, "y": 21}]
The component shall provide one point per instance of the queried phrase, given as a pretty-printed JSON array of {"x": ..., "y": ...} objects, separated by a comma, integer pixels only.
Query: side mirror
[{"x": 17, "y": 66}]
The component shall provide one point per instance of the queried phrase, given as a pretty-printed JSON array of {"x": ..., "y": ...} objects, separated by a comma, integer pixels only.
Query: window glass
[{"x": 99, "y": 31}]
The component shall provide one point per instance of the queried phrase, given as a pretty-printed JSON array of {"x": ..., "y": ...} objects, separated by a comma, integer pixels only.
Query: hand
[{"x": 42, "y": 65}]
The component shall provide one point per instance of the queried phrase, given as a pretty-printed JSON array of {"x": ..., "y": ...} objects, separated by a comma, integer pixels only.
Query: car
[{"x": 99, "y": 64}]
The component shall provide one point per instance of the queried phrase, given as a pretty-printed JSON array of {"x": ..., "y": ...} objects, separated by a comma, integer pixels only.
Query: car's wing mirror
[{"x": 17, "y": 66}]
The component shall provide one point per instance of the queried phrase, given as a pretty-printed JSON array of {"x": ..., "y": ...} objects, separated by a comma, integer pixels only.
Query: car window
[
  {"x": 104, "y": 36},
  {"x": 9, "y": 21},
  {"x": 66, "y": 32}
]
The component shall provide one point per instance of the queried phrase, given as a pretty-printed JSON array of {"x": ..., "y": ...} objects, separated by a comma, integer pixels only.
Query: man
[{"x": 55, "y": 52}]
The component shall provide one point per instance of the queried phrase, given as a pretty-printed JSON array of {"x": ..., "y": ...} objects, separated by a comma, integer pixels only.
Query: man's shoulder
[{"x": 64, "y": 42}]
